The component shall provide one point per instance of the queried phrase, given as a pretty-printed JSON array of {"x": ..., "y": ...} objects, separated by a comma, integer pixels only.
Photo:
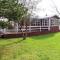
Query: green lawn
[{"x": 45, "y": 47}]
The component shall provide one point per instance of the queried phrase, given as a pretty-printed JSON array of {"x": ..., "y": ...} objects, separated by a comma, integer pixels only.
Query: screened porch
[{"x": 36, "y": 25}]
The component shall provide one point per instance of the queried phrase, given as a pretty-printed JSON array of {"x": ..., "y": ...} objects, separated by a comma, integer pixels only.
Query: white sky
[{"x": 46, "y": 7}]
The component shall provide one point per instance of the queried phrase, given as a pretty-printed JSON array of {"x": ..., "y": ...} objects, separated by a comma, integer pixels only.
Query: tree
[
  {"x": 3, "y": 24},
  {"x": 13, "y": 10}
]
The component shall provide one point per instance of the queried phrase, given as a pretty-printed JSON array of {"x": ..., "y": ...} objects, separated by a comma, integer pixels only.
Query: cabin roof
[{"x": 55, "y": 16}]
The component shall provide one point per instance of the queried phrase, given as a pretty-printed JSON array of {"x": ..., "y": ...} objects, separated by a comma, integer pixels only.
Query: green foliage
[
  {"x": 12, "y": 10},
  {"x": 3, "y": 24}
]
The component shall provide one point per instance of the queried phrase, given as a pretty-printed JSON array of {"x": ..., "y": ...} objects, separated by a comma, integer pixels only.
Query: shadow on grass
[
  {"x": 4, "y": 47},
  {"x": 43, "y": 37},
  {"x": 12, "y": 43}
]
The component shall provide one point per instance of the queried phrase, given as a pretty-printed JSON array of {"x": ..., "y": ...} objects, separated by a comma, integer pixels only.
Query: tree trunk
[{"x": 25, "y": 32}]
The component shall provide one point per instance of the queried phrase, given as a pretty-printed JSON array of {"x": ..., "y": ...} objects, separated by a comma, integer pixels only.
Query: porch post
[
  {"x": 49, "y": 24},
  {"x": 40, "y": 25},
  {"x": 4, "y": 30},
  {"x": 30, "y": 25},
  {"x": 59, "y": 24},
  {"x": 40, "y": 28}
]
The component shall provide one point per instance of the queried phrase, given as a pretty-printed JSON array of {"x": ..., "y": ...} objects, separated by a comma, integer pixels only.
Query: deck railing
[{"x": 29, "y": 29}]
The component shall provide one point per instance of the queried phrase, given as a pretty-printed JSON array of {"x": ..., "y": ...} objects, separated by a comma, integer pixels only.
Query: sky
[{"x": 46, "y": 8}]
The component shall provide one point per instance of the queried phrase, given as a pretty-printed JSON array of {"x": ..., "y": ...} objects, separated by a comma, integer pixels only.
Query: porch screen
[
  {"x": 41, "y": 22},
  {"x": 54, "y": 22}
]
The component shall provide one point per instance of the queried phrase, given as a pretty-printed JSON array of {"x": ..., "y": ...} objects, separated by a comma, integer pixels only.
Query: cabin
[
  {"x": 45, "y": 24},
  {"x": 35, "y": 26}
]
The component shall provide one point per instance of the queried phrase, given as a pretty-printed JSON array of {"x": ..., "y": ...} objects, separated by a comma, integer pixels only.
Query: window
[{"x": 54, "y": 22}]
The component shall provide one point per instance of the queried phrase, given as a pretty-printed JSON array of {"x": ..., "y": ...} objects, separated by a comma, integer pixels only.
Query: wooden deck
[
  {"x": 13, "y": 34},
  {"x": 20, "y": 34}
]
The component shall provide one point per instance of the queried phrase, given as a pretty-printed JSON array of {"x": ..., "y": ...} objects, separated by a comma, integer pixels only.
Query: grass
[{"x": 45, "y": 47}]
